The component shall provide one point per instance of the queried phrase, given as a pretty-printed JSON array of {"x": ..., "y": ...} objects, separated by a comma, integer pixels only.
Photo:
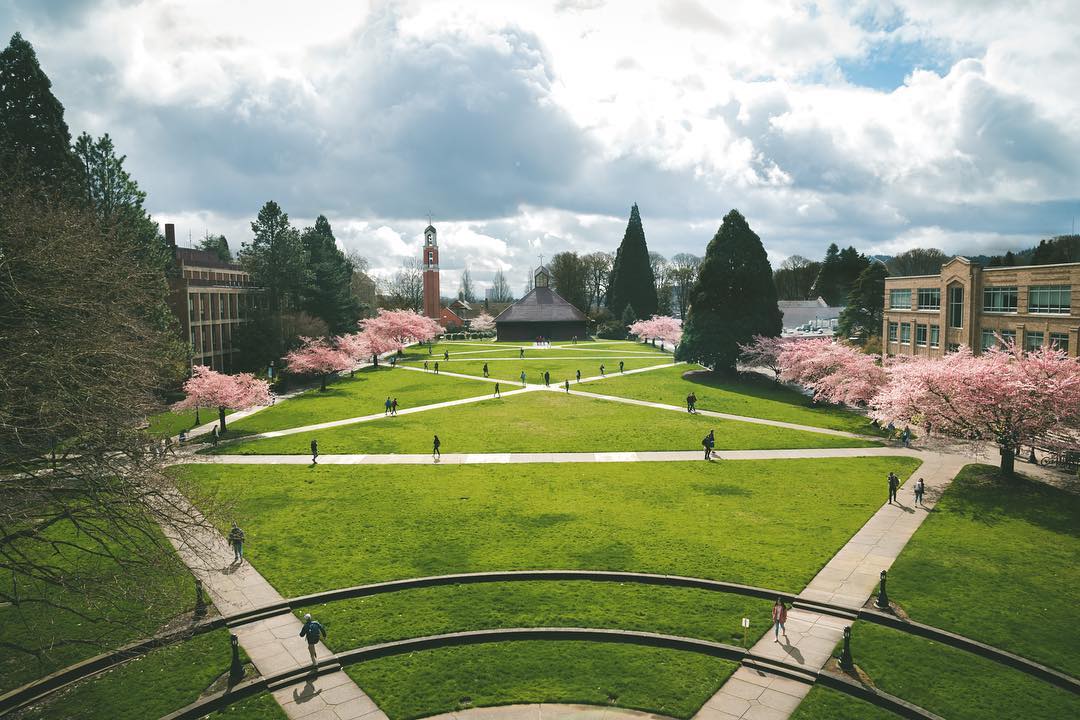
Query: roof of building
[
  {"x": 429, "y": 227},
  {"x": 541, "y": 305},
  {"x": 203, "y": 258},
  {"x": 461, "y": 303},
  {"x": 819, "y": 303}
]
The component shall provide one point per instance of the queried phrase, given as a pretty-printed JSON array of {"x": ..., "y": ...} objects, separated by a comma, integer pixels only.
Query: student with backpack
[
  {"x": 920, "y": 488},
  {"x": 386, "y": 406},
  {"x": 314, "y": 631},
  {"x": 709, "y": 442}
]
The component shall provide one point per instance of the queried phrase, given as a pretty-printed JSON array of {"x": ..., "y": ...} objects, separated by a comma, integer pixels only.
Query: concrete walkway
[
  {"x": 547, "y": 711},
  {"x": 848, "y": 580},
  {"x": 585, "y": 457},
  {"x": 274, "y": 644}
]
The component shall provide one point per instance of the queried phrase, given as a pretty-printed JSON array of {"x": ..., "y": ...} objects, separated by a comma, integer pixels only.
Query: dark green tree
[
  {"x": 218, "y": 245},
  {"x": 277, "y": 259},
  {"x": 35, "y": 143},
  {"x": 733, "y": 299},
  {"x": 865, "y": 309},
  {"x": 838, "y": 273},
  {"x": 569, "y": 278},
  {"x": 329, "y": 296},
  {"x": 631, "y": 281},
  {"x": 918, "y": 261}
]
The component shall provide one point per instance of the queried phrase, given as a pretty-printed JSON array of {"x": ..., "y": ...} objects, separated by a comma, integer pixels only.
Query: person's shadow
[
  {"x": 306, "y": 693},
  {"x": 791, "y": 650}
]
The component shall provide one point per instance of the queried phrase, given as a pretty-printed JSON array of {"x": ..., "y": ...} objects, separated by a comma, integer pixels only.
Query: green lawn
[
  {"x": 557, "y": 364},
  {"x": 169, "y": 424},
  {"x": 749, "y": 394},
  {"x": 998, "y": 560},
  {"x": 260, "y": 707},
  {"x": 953, "y": 683},
  {"x": 669, "y": 682},
  {"x": 826, "y": 704},
  {"x": 363, "y": 394},
  {"x": 161, "y": 681},
  {"x": 541, "y": 422},
  {"x": 39, "y": 639},
  {"x": 773, "y": 523}
]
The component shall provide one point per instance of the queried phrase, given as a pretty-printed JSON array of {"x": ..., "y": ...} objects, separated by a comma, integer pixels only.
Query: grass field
[
  {"x": 558, "y": 365},
  {"x": 823, "y": 703},
  {"x": 363, "y": 394},
  {"x": 170, "y": 424},
  {"x": 541, "y": 421},
  {"x": 260, "y": 707},
  {"x": 749, "y": 394},
  {"x": 952, "y": 683},
  {"x": 325, "y": 527},
  {"x": 669, "y": 682},
  {"x": 998, "y": 560},
  {"x": 161, "y": 681}
]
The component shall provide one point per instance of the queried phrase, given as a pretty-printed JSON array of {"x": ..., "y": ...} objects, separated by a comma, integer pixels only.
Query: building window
[
  {"x": 1000, "y": 299},
  {"x": 191, "y": 308},
  {"x": 905, "y": 333},
  {"x": 1050, "y": 299},
  {"x": 1059, "y": 341},
  {"x": 929, "y": 298},
  {"x": 956, "y": 307},
  {"x": 952, "y": 347},
  {"x": 1008, "y": 337},
  {"x": 900, "y": 299},
  {"x": 920, "y": 335},
  {"x": 892, "y": 331},
  {"x": 935, "y": 336},
  {"x": 1033, "y": 340},
  {"x": 988, "y": 339},
  {"x": 431, "y": 257}
]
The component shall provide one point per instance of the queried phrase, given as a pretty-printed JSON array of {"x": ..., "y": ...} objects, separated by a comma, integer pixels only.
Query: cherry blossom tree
[
  {"x": 764, "y": 351},
  {"x": 392, "y": 329},
  {"x": 482, "y": 323},
  {"x": 209, "y": 388},
  {"x": 659, "y": 327},
  {"x": 1005, "y": 395},
  {"x": 835, "y": 372},
  {"x": 319, "y": 356}
]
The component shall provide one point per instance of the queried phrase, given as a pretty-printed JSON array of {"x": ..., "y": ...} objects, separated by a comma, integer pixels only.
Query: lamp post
[
  {"x": 882, "y": 596},
  {"x": 846, "y": 663}
]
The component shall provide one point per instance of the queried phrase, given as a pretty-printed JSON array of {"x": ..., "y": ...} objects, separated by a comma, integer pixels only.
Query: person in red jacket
[{"x": 779, "y": 617}]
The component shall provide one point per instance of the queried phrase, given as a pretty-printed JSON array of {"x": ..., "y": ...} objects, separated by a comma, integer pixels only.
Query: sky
[{"x": 530, "y": 127}]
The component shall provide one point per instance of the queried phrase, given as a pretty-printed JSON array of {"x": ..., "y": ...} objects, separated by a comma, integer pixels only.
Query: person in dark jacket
[
  {"x": 236, "y": 539},
  {"x": 435, "y": 445},
  {"x": 314, "y": 631},
  {"x": 314, "y": 451}
]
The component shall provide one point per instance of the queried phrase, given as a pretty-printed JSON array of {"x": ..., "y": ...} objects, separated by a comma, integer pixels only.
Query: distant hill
[{"x": 1060, "y": 249}]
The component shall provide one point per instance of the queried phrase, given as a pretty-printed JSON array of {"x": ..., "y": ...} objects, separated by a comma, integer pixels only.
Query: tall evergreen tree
[
  {"x": 35, "y": 143},
  {"x": 277, "y": 259},
  {"x": 865, "y": 309},
  {"x": 568, "y": 277},
  {"x": 631, "y": 281},
  {"x": 218, "y": 245},
  {"x": 838, "y": 273},
  {"x": 329, "y": 296},
  {"x": 733, "y": 299}
]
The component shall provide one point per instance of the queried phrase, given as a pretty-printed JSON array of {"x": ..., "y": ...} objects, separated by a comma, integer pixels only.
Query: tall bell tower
[{"x": 430, "y": 261}]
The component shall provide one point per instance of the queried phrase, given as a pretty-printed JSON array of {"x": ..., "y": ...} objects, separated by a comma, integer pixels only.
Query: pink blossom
[
  {"x": 764, "y": 352},
  {"x": 392, "y": 329},
  {"x": 658, "y": 327},
  {"x": 482, "y": 323},
  {"x": 209, "y": 388},
  {"x": 835, "y": 372},
  {"x": 318, "y": 356}
]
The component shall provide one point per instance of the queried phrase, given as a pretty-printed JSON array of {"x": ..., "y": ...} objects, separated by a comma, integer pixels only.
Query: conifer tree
[
  {"x": 733, "y": 300},
  {"x": 865, "y": 309},
  {"x": 329, "y": 296},
  {"x": 631, "y": 281},
  {"x": 35, "y": 143}
]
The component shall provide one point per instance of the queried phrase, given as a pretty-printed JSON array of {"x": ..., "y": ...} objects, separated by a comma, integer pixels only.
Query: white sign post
[{"x": 745, "y": 625}]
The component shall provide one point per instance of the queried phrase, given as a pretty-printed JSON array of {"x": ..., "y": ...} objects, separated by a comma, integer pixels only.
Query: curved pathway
[{"x": 547, "y": 711}]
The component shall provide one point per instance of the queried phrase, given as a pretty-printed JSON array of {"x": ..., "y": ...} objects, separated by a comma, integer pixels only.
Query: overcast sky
[{"x": 530, "y": 127}]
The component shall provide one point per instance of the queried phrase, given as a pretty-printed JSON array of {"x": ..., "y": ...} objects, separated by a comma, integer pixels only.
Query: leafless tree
[
  {"x": 599, "y": 270},
  {"x": 683, "y": 274},
  {"x": 406, "y": 288},
  {"x": 500, "y": 289},
  {"x": 795, "y": 277},
  {"x": 465, "y": 291}
]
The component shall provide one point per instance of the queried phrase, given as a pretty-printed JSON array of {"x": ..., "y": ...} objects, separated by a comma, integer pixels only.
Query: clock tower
[{"x": 430, "y": 262}]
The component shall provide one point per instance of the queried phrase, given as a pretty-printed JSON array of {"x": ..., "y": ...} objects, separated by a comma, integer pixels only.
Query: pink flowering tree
[
  {"x": 392, "y": 329},
  {"x": 209, "y": 388},
  {"x": 764, "y": 352},
  {"x": 835, "y": 372},
  {"x": 1004, "y": 395},
  {"x": 482, "y": 323},
  {"x": 318, "y": 356},
  {"x": 659, "y": 327}
]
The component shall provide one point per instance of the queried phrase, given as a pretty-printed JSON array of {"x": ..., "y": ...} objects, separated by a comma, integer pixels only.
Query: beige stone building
[{"x": 966, "y": 304}]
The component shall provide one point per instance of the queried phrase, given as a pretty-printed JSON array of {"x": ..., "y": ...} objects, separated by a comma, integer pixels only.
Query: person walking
[
  {"x": 314, "y": 631},
  {"x": 894, "y": 485},
  {"x": 709, "y": 442},
  {"x": 214, "y": 436},
  {"x": 779, "y": 617},
  {"x": 566, "y": 385},
  {"x": 393, "y": 407},
  {"x": 314, "y": 451},
  {"x": 435, "y": 445},
  {"x": 920, "y": 488},
  {"x": 497, "y": 393},
  {"x": 522, "y": 378},
  {"x": 485, "y": 370},
  {"x": 579, "y": 376},
  {"x": 236, "y": 539},
  {"x": 602, "y": 373},
  {"x": 547, "y": 378},
  {"x": 689, "y": 403},
  {"x": 446, "y": 355},
  {"x": 620, "y": 366},
  {"x": 425, "y": 366},
  {"x": 905, "y": 436},
  {"x": 521, "y": 352},
  {"x": 386, "y": 406},
  {"x": 436, "y": 367}
]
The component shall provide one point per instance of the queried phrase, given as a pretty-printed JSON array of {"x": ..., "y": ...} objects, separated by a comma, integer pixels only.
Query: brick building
[
  {"x": 211, "y": 298},
  {"x": 969, "y": 305}
]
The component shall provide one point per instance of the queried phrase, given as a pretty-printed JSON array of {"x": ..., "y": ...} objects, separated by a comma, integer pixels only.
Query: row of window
[
  {"x": 1042, "y": 299},
  {"x": 924, "y": 334},
  {"x": 221, "y": 306},
  {"x": 1033, "y": 339}
]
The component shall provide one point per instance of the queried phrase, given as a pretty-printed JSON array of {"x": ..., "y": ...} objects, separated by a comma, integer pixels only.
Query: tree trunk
[
  {"x": 375, "y": 359},
  {"x": 323, "y": 379},
  {"x": 221, "y": 419},
  {"x": 197, "y": 416},
  {"x": 1008, "y": 458}
]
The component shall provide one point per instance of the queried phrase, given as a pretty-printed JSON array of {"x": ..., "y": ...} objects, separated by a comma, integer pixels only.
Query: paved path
[
  {"x": 274, "y": 644},
  {"x": 585, "y": 457},
  {"x": 547, "y": 711},
  {"x": 848, "y": 579}
]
